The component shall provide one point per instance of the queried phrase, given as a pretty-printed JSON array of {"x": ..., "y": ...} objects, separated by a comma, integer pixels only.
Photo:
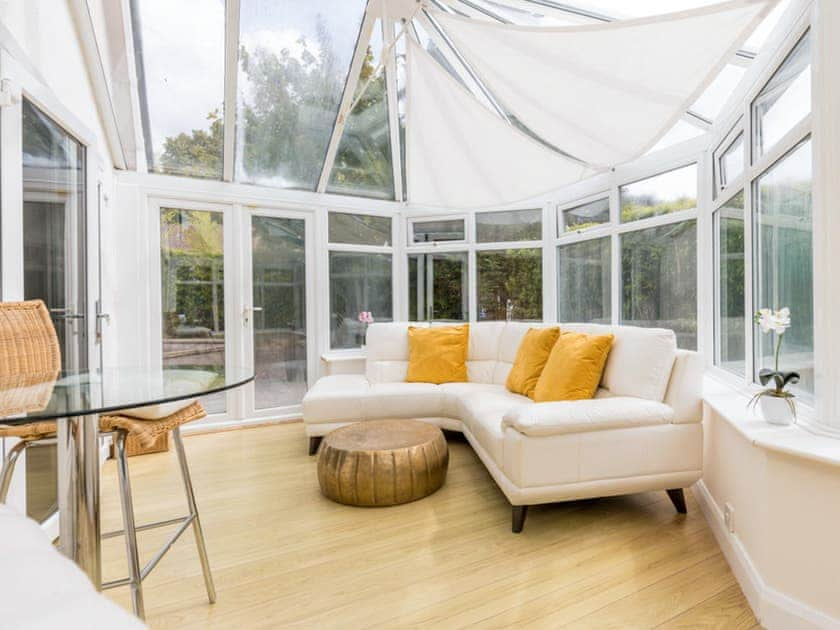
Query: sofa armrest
[{"x": 577, "y": 416}]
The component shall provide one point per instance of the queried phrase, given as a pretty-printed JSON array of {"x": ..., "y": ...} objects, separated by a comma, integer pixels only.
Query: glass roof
[{"x": 292, "y": 71}]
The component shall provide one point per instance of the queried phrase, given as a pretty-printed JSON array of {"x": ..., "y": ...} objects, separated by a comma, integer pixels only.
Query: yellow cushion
[
  {"x": 574, "y": 367},
  {"x": 530, "y": 359},
  {"x": 438, "y": 355}
]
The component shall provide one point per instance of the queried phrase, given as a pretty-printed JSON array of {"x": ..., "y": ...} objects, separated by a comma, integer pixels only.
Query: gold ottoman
[{"x": 382, "y": 462}]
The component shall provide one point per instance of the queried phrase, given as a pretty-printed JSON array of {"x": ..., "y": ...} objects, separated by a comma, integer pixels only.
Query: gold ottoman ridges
[{"x": 382, "y": 462}]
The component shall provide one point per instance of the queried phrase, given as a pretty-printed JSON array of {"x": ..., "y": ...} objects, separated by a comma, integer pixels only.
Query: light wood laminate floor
[{"x": 284, "y": 556}]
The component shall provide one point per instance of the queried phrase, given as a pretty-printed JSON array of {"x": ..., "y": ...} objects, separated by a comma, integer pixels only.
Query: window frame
[
  {"x": 410, "y": 223},
  {"x": 563, "y": 207},
  {"x": 720, "y": 187}
]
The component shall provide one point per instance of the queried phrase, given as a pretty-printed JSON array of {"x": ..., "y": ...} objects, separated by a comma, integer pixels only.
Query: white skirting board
[{"x": 774, "y": 609}]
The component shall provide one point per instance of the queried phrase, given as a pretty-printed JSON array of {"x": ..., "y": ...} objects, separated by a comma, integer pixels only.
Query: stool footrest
[{"x": 141, "y": 528}]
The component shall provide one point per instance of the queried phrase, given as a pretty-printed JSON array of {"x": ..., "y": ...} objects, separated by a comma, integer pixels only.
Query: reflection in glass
[
  {"x": 442, "y": 230},
  {"x": 659, "y": 279},
  {"x": 586, "y": 215},
  {"x": 359, "y": 229},
  {"x": 513, "y": 225},
  {"x": 583, "y": 282},
  {"x": 662, "y": 194},
  {"x": 358, "y": 282},
  {"x": 730, "y": 347},
  {"x": 437, "y": 287},
  {"x": 180, "y": 49},
  {"x": 784, "y": 261},
  {"x": 293, "y": 63},
  {"x": 363, "y": 162},
  {"x": 509, "y": 284},
  {"x": 731, "y": 162},
  {"x": 785, "y": 100},
  {"x": 279, "y": 313},
  {"x": 193, "y": 292}
]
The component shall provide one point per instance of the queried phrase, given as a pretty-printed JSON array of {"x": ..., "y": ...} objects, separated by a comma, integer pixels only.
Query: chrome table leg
[{"x": 78, "y": 493}]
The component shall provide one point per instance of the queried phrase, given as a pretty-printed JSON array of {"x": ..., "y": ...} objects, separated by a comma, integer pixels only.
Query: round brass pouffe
[{"x": 382, "y": 462}]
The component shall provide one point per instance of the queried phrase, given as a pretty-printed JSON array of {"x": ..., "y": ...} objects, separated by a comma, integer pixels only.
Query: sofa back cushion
[
  {"x": 640, "y": 360},
  {"x": 387, "y": 351},
  {"x": 483, "y": 352}
]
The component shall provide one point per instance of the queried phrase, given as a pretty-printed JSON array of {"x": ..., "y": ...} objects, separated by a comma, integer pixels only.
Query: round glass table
[{"x": 75, "y": 399}]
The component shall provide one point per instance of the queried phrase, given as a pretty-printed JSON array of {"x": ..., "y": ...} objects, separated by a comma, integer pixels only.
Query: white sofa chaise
[{"x": 641, "y": 432}]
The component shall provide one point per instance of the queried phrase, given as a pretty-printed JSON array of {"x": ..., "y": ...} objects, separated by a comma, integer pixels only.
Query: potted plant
[
  {"x": 366, "y": 319},
  {"x": 777, "y": 404}
]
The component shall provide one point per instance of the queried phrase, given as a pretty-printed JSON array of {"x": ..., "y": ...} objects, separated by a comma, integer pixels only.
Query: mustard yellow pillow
[
  {"x": 574, "y": 367},
  {"x": 438, "y": 355},
  {"x": 530, "y": 359}
]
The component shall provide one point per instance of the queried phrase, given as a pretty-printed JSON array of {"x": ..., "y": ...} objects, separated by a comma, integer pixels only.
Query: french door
[{"x": 276, "y": 315}]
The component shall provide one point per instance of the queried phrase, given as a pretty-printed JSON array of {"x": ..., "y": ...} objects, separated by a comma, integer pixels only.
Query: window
[
  {"x": 438, "y": 230},
  {"x": 659, "y": 279},
  {"x": 358, "y": 282},
  {"x": 509, "y": 284},
  {"x": 784, "y": 261},
  {"x": 193, "y": 292},
  {"x": 731, "y": 162},
  {"x": 585, "y": 216},
  {"x": 293, "y": 63},
  {"x": 516, "y": 225},
  {"x": 730, "y": 346},
  {"x": 583, "y": 281},
  {"x": 713, "y": 99},
  {"x": 437, "y": 287},
  {"x": 662, "y": 194},
  {"x": 180, "y": 50},
  {"x": 359, "y": 229},
  {"x": 785, "y": 100}
]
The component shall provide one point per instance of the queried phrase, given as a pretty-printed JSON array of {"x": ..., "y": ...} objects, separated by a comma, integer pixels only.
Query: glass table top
[{"x": 82, "y": 392}]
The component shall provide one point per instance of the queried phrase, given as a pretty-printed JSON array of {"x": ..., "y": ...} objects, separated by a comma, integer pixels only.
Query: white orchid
[{"x": 776, "y": 321}]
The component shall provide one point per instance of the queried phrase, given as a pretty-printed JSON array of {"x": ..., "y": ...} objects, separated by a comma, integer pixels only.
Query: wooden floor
[{"x": 284, "y": 556}]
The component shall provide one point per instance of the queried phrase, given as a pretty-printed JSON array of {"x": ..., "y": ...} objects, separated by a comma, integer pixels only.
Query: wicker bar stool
[{"x": 30, "y": 362}]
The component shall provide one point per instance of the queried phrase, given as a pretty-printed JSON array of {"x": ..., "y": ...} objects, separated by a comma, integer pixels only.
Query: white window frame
[
  {"x": 410, "y": 222},
  {"x": 563, "y": 207},
  {"x": 720, "y": 187}
]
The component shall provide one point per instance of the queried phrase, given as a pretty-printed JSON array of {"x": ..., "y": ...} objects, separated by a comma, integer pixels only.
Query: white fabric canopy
[
  {"x": 604, "y": 93},
  {"x": 461, "y": 155}
]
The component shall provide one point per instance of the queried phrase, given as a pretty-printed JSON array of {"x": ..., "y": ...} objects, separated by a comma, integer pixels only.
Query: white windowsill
[
  {"x": 797, "y": 440},
  {"x": 338, "y": 356}
]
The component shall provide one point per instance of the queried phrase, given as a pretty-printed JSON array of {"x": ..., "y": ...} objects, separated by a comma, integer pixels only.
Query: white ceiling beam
[
  {"x": 392, "y": 100},
  {"x": 231, "y": 88},
  {"x": 348, "y": 95}
]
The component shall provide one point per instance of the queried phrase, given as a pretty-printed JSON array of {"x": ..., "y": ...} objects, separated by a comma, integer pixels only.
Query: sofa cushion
[
  {"x": 336, "y": 398},
  {"x": 403, "y": 400},
  {"x": 574, "y": 367},
  {"x": 509, "y": 340},
  {"x": 579, "y": 416},
  {"x": 482, "y": 413},
  {"x": 386, "y": 351},
  {"x": 534, "y": 350},
  {"x": 483, "y": 351},
  {"x": 640, "y": 360},
  {"x": 455, "y": 393},
  {"x": 438, "y": 355}
]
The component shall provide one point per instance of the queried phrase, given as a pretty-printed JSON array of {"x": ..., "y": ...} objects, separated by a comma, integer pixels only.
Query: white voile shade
[
  {"x": 605, "y": 93},
  {"x": 461, "y": 155}
]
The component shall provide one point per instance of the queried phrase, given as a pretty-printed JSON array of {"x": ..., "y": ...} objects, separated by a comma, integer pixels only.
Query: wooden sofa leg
[
  {"x": 678, "y": 499},
  {"x": 315, "y": 442},
  {"x": 518, "y": 513}
]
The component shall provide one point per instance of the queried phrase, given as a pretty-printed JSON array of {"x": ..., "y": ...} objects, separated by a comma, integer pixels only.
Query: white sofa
[{"x": 641, "y": 432}]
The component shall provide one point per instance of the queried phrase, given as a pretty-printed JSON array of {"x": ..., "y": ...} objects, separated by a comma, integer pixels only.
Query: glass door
[
  {"x": 437, "y": 287},
  {"x": 275, "y": 313}
]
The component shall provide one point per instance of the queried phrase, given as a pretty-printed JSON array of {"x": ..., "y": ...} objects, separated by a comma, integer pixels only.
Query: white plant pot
[{"x": 777, "y": 410}]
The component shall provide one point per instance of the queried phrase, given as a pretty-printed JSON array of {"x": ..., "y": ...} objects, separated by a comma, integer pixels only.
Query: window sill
[
  {"x": 341, "y": 356},
  {"x": 797, "y": 440}
]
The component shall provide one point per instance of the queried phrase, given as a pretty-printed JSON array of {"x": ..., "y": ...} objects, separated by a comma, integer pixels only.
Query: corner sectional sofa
[{"x": 642, "y": 431}]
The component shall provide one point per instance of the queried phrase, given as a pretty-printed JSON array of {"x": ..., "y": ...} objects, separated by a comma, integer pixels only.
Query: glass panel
[
  {"x": 510, "y": 284},
  {"x": 181, "y": 64},
  {"x": 663, "y": 194},
  {"x": 585, "y": 216},
  {"x": 192, "y": 270},
  {"x": 680, "y": 132},
  {"x": 400, "y": 52},
  {"x": 730, "y": 347},
  {"x": 279, "y": 317},
  {"x": 430, "y": 231},
  {"x": 583, "y": 282},
  {"x": 731, "y": 162},
  {"x": 293, "y": 64},
  {"x": 784, "y": 262},
  {"x": 54, "y": 265},
  {"x": 437, "y": 287},
  {"x": 516, "y": 225},
  {"x": 363, "y": 162},
  {"x": 785, "y": 100},
  {"x": 659, "y": 279},
  {"x": 759, "y": 36},
  {"x": 358, "y": 282},
  {"x": 714, "y": 97},
  {"x": 359, "y": 229}
]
